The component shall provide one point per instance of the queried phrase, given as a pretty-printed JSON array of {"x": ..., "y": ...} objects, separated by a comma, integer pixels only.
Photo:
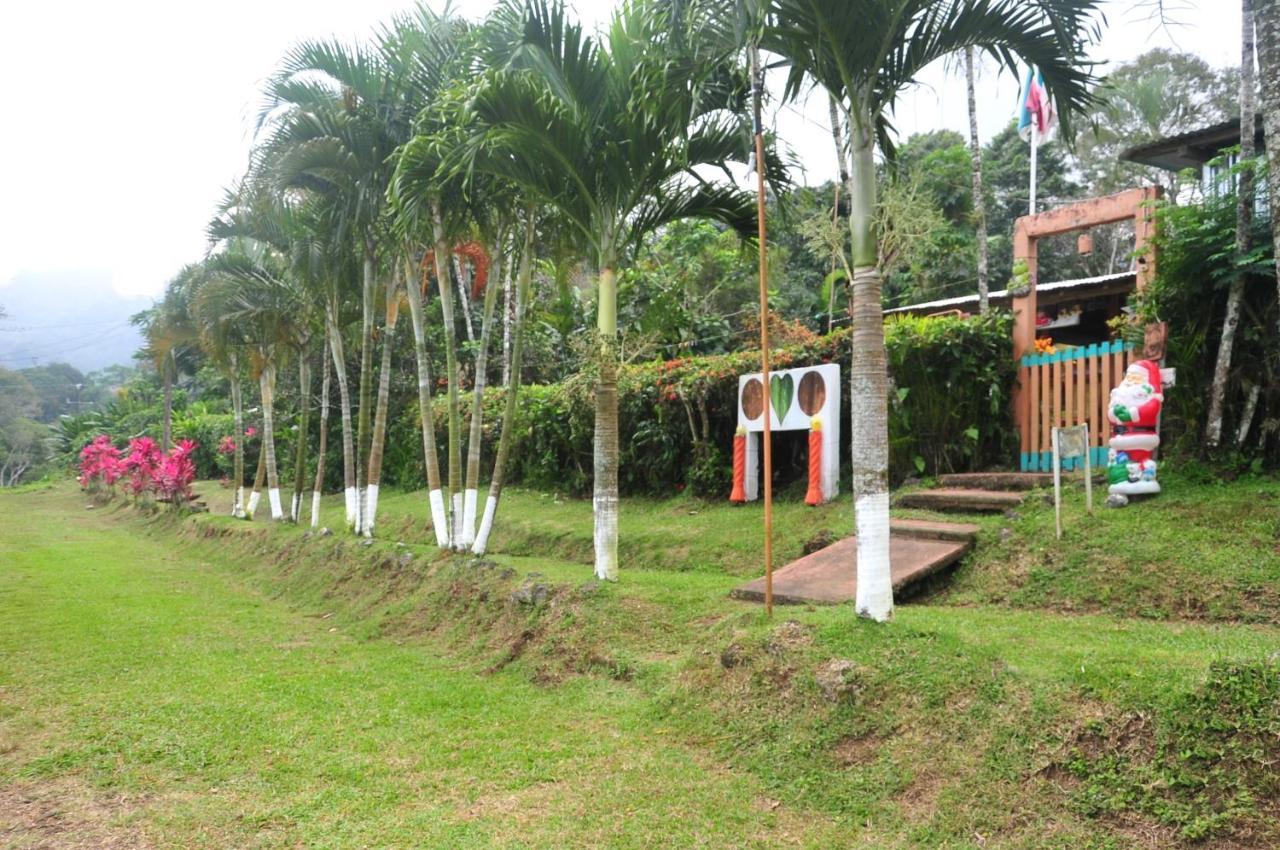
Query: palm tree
[
  {"x": 330, "y": 118},
  {"x": 979, "y": 197},
  {"x": 614, "y": 136},
  {"x": 865, "y": 53},
  {"x": 250, "y": 287},
  {"x": 521, "y": 302},
  {"x": 170, "y": 336},
  {"x": 497, "y": 254},
  {"x": 290, "y": 242},
  {"x": 378, "y": 441},
  {"x": 1244, "y": 227}
]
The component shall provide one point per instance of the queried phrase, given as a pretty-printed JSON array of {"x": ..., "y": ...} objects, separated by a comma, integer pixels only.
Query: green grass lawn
[{"x": 212, "y": 683}]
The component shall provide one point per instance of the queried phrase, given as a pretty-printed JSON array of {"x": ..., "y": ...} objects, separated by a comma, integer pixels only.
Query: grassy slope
[{"x": 464, "y": 718}]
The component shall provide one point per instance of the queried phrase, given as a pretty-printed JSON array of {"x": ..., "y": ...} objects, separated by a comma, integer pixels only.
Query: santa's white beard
[{"x": 1130, "y": 395}]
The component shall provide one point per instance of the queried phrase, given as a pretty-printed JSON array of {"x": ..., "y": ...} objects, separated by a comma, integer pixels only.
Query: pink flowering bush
[
  {"x": 100, "y": 466},
  {"x": 176, "y": 474},
  {"x": 227, "y": 445},
  {"x": 141, "y": 466}
]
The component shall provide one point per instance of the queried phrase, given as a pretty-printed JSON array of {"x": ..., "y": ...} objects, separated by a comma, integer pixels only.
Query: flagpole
[
  {"x": 1035, "y": 137},
  {"x": 757, "y": 86}
]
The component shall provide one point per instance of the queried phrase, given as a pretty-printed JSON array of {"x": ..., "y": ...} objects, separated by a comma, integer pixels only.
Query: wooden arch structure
[
  {"x": 1040, "y": 400},
  {"x": 1135, "y": 204}
]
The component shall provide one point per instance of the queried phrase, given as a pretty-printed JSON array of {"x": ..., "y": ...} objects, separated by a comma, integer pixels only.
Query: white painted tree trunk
[
  {"x": 868, "y": 383},
  {"x": 268, "y": 384},
  {"x": 378, "y": 442},
  {"x": 451, "y": 368},
  {"x": 318, "y": 487},
  {"x": 476, "y": 432},
  {"x": 605, "y": 487},
  {"x": 259, "y": 478},
  {"x": 237, "y": 464},
  {"x": 344, "y": 403},
  {"x": 513, "y": 390},
  {"x": 439, "y": 517}
]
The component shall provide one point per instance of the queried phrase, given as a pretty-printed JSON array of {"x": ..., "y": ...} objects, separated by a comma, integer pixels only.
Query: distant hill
[{"x": 67, "y": 317}]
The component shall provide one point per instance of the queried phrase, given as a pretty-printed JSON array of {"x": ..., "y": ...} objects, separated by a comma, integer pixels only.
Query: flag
[{"x": 1035, "y": 105}]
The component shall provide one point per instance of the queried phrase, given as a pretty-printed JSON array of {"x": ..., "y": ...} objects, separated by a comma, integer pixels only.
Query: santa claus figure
[{"x": 1134, "y": 411}]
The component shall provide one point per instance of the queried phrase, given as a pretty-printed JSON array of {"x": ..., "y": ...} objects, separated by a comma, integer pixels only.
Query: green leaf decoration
[{"x": 782, "y": 390}]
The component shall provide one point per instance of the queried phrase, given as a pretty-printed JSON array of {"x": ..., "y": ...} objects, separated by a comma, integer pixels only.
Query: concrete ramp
[{"x": 829, "y": 576}]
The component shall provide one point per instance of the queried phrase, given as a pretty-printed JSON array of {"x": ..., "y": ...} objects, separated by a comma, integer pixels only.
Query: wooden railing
[{"x": 1068, "y": 388}]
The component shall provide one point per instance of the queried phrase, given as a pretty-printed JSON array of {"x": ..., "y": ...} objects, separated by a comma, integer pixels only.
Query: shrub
[
  {"x": 100, "y": 466},
  {"x": 952, "y": 379},
  {"x": 1197, "y": 261},
  {"x": 176, "y": 474}
]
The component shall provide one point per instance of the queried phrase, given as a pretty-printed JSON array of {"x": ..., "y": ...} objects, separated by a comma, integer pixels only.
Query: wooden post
[
  {"x": 1057, "y": 482},
  {"x": 757, "y": 84},
  {"x": 1144, "y": 233}
]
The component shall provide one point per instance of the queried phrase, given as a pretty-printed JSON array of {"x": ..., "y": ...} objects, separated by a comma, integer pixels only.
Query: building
[{"x": 1206, "y": 151}]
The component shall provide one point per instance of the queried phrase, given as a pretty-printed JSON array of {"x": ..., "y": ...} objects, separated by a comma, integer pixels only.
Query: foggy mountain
[{"x": 66, "y": 317}]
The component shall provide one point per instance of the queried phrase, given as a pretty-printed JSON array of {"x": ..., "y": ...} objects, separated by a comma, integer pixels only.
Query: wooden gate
[{"x": 1068, "y": 388}]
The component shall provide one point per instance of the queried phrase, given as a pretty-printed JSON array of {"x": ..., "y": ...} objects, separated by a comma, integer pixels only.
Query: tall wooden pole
[{"x": 757, "y": 91}]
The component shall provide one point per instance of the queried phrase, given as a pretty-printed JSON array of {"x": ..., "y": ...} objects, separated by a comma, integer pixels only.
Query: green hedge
[{"x": 949, "y": 403}]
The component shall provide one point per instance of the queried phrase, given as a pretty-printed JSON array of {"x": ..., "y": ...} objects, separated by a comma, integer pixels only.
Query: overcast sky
[{"x": 124, "y": 121}]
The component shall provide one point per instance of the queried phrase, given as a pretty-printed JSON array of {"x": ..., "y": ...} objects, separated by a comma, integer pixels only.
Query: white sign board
[{"x": 793, "y": 400}]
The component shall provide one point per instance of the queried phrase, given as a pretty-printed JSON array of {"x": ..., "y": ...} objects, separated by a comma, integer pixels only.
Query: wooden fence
[{"x": 1068, "y": 388}]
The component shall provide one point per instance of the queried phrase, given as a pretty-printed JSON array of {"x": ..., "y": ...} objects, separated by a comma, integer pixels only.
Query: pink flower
[
  {"x": 176, "y": 473},
  {"x": 250, "y": 432},
  {"x": 227, "y": 446},
  {"x": 142, "y": 464},
  {"x": 100, "y": 463}
]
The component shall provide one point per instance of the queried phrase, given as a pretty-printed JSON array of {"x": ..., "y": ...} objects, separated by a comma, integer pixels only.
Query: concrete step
[
  {"x": 960, "y": 499},
  {"x": 923, "y": 529},
  {"x": 997, "y": 480},
  {"x": 830, "y": 576}
]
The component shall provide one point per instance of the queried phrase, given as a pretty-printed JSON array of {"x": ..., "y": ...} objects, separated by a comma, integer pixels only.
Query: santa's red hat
[{"x": 1151, "y": 372}]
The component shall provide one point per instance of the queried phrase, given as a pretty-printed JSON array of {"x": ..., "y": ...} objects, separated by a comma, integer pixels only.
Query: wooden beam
[{"x": 1121, "y": 206}]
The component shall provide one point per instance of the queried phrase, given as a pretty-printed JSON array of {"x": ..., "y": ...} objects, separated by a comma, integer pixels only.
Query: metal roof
[
  {"x": 1003, "y": 294},
  {"x": 1191, "y": 149}
]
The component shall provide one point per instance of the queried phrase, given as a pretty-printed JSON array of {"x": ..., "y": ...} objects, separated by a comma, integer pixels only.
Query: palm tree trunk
[
  {"x": 1268, "y": 40},
  {"x": 842, "y": 165},
  {"x": 513, "y": 391},
  {"x": 166, "y": 428},
  {"x": 259, "y": 478},
  {"x": 477, "y": 397},
  {"x": 378, "y": 442},
  {"x": 979, "y": 205},
  {"x": 1244, "y": 227},
  {"x": 868, "y": 383},
  {"x": 363, "y": 437},
  {"x": 318, "y": 489},
  {"x": 268, "y": 384},
  {"x": 237, "y": 464},
  {"x": 451, "y": 366},
  {"x": 464, "y": 302},
  {"x": 439, "y": 518},
  {"x": 344, "y": 401},
  {"x": 304, "y": 427},
  {"x": 837, "y": 136},
  {"x": 605, "y": 488},
  {"x": 508, "y": 305}
]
